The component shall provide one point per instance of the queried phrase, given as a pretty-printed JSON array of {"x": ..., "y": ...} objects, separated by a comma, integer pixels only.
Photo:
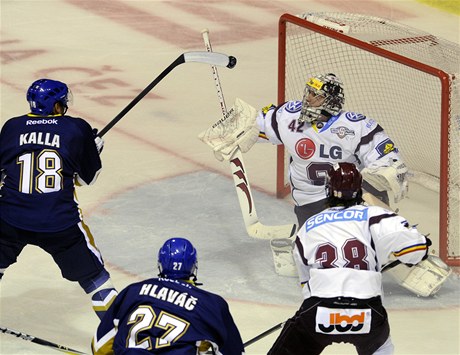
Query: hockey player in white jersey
[
  {"x": 339, "y": 254},
  {"x": 317, "y": 133}
]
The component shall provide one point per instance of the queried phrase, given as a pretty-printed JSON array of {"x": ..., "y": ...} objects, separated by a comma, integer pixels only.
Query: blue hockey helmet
[
  {"x": 44, "y": 93},
  {"x": 177, "y": 259}
]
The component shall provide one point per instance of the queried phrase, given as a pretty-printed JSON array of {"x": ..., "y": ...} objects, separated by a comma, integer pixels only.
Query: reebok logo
[{"x": 41, "y": 121}]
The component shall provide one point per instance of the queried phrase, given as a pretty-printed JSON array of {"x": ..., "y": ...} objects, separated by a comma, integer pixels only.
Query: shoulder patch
[
  {"x": 385, "y": 147},
  {"x": 293, "y": 106},
  {"x": 354, "y": 117},
  {"x": 267, "y": 108}
]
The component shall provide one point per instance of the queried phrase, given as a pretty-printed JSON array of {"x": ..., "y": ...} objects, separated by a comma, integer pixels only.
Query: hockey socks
[{"x": 102, "y": 292}]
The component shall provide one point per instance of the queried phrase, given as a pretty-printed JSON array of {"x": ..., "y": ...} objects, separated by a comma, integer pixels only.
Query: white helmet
[{"x": 325, "y": 85}]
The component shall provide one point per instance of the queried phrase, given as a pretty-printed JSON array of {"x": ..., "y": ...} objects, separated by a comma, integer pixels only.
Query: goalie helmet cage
[{"x": 404, "y": 78}]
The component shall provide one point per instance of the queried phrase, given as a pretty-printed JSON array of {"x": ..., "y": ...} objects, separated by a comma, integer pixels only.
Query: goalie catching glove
[
  {"x": 237, "y": 130},
  {"x": 392, "y": 175}
]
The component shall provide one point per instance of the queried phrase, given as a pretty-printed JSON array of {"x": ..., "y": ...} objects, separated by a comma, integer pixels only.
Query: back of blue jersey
[
  {"x": 40, "y": 158},
  {"x": 168, "y": 316}
]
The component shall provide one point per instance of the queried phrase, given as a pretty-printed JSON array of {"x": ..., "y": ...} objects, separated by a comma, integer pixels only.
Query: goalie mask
[
  {"x": 177, "y": 259},
  {"x": 344, "y": 182},
  {"x": 323, "y": 98},
  {"x": 44, "y": 93}
]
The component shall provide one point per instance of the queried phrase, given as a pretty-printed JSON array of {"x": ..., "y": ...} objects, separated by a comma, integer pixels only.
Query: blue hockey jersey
[
  {"x": 165, "y": 316},
  {"x": 41, "y": 160}
]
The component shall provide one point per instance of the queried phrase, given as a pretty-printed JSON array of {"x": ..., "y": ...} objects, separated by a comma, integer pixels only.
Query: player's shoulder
[
  {"x": 14, "y": 120},
  {"x": 78, "y": 124},
  {"x": 77, "y": 120},
  {"x": 378, "y": 211},
  {"x": 292, "y": 106},
  {"x": 353, "y": 117},
  {"x": 213, "y": 300}
]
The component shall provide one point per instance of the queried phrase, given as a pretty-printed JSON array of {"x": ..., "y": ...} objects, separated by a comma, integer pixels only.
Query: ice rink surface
[{"x": 160, "y": 181}]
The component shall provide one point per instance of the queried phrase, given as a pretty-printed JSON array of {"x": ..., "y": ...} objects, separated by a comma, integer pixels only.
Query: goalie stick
[
  {"x": 39, "y": 341},
  {"x": 253, "y": 226},
  {"x": 198, "y": 57}
]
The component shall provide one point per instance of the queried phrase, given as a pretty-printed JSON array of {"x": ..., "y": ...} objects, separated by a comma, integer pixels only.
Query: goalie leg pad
[
  {"x": 424, "y": 279},
  {"x": 282, "y": 257}
]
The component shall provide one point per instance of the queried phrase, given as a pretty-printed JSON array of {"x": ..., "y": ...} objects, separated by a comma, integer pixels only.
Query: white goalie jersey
[
  {"x": 341, "y": 251},
  {"x": 314, "y": 148}
]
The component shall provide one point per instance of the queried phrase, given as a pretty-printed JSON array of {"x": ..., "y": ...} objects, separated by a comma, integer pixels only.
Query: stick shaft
[
  {"x": 178, "y": 61},
  {"x": 215, "y": 73},
  {"x": 39, "y": 341},
  {"x": 197, "y": 57},
  {"x": 264, "y": 334},
  {"x": 390, "y": 265},
  {"x": 243, "y": 188}
]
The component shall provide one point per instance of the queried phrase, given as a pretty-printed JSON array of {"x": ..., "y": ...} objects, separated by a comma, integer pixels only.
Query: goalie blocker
[
  {"x": 388, "y": 175},
  {"x": 425, "y": 278}
]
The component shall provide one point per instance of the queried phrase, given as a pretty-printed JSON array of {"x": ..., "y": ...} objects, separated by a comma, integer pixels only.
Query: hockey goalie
[{"x": 244, "y": 126}]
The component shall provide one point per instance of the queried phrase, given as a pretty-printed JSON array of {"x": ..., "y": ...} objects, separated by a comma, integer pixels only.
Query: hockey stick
[
  {"x": 254, "y": 228},
  {"x": 264, "y": 334},
  {"x": 198, "y": 57},
  {"x": 39, "y": 341}
]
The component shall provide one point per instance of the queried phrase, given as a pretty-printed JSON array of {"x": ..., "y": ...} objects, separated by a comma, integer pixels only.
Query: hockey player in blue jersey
[
  {"x": 43, "y": 156},
  {"x": 169, "y": 314}
]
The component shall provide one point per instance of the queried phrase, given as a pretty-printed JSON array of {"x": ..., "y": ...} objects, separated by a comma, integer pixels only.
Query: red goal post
[{"x": 404, "y": 78}]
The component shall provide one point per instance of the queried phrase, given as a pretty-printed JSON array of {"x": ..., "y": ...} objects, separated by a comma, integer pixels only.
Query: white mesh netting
[{"x": 404, "y": 96}]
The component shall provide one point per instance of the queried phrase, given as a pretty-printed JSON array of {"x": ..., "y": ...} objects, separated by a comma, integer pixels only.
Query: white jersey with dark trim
[
  {"x": 314, "y": 148},
  {"x": 340, "y": 251}
]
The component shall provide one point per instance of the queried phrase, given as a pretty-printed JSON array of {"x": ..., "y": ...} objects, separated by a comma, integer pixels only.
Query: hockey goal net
[{"x": 404, "y": 78}]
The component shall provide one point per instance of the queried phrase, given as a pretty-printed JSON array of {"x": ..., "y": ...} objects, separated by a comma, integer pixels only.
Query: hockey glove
[
  {"x": 428, "y": 244},
  {"x": 98, "y": 140},
  {"x": 392, "y": 177},
  {"x": 237, "y": 130},
  {"x": 244, "y": 142}
]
